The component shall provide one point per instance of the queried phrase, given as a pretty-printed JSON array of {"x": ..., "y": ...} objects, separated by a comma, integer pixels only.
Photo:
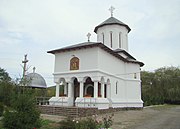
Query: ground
[{"x": 154, "y": 117}]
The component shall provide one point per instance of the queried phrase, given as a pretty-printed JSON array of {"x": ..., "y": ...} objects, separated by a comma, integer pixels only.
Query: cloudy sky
[{"x": 34, "y": 27}]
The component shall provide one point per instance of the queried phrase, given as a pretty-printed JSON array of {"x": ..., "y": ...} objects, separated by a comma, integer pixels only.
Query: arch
[
  {"x": 102, "y": 80},
  {"x": 73, "y": 78},
  {"x": 85, "y": 78},
  {"x": 88, "y": 87},
  {"x": 108, "y": 81},
  {"x": 63, "y": 80}
]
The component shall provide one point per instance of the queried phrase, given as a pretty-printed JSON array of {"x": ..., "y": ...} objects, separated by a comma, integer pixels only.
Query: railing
[
  {"x": 90, "y": 102},
  {"x": 42, "y": 100}
]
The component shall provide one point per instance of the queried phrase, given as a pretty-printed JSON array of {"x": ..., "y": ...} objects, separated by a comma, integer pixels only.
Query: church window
[
  {"x": 103, "y": 38},
  {"x": 120, "y": 39},
  {"x": 116, "y": 86},
  {"x": 111, "y": 36},
  {"x": 74, "y": 63},
  {"x": 135, "y": 76}
]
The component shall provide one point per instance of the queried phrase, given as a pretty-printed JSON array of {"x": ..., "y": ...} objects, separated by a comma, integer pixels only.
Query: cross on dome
[
  {"x": 111, "y": 9},
  {"x": 88, "y": 35}
]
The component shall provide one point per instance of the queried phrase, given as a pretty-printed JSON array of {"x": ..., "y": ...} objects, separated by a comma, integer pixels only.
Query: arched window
[
  {"x": 103, "y": 38},
  {"x": 120, "y": 39},
  {"x": 135, "y": 76},
  {"x": 74, "y": 63},
  {"x": 116, "y": 87},
  {"x": 111, "y": 40}
]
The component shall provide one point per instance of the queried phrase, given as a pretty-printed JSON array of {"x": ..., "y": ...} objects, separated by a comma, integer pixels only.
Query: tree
[
  {"x": 4, "y": 76},
  {"x": 23, "y": 113},
  {"x": 161, "y": 86},
  {"x": 6, "y": 87}
]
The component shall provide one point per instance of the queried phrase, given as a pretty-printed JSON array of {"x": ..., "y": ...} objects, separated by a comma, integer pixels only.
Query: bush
[
  {"x": 23, "y": 114},
  {"x": 1, "y": 109},
  {"x": 88, "y": 123}
]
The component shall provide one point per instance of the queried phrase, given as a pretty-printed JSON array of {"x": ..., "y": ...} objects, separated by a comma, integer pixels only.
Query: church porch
[{"x": 85, "y": 92}]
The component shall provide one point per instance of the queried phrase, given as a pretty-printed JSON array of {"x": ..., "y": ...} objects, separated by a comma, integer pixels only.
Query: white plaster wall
[
  {"x": 110, "y": 64},
  {"x": 115, "y": 29},
  {"x": 87, "y": 60},
  {"x": 131, "y": 70},
  {"x": 133, "y": 91}
]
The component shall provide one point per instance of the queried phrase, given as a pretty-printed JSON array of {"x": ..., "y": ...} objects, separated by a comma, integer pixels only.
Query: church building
[{"x": 100, "y": 74}]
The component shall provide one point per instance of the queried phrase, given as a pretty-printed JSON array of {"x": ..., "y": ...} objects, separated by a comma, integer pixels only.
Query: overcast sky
[{"x": 34, "y": 27}]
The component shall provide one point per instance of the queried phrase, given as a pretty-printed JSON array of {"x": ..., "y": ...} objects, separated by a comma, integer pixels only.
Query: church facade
[{"x": 98, "y": 74}]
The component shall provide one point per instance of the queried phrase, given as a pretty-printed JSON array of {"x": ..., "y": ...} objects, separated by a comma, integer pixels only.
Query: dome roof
[
  {"x": 112, "y": 21},
  {"x": 36, "y": 80}
]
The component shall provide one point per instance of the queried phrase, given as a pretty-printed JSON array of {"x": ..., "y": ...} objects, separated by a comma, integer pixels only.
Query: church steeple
[{"x": 113, "y": 33}]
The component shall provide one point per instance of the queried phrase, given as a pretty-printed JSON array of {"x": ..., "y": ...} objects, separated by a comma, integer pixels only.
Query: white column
[
  {"x": 65, "y": 88},
  {"x": 57, "y": 89},
  {"x": 81, "y": 91},
  {"x": 102, "y": 90},
  {"x": 69, "y": 89},
  {"x": 95, "y": 89},
  {"x": 107, "y": 91}
]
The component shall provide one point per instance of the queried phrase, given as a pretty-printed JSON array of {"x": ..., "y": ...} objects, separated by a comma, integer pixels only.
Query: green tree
[
  {"x": 4, "y": 76},
  {"x": 6, "y": 87},
  {"x": 23, "y": 113},
  {"x": 161, "y": 86}
]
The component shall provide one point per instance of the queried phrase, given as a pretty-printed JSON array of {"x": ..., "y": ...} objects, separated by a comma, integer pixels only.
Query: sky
[{"x": 34, "y": 27}]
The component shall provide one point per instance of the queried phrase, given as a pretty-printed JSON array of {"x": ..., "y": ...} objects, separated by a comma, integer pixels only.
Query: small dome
[{"x": 36, "y": 80}]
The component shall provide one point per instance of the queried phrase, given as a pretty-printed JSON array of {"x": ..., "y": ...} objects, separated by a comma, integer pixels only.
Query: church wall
[
  {"x": 133, "y": 91},
  {"x": 133, "y": 71},
  {"x": 110, "y": 64},
  {"x": 116, "y": 30},
  {"x": 87, "y": 60}
]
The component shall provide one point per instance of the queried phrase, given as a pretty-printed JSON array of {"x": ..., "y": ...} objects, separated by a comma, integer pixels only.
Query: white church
[{"x": 100, "y": 74}]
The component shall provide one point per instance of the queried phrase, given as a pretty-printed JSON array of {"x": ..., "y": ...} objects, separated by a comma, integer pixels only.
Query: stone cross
[
  {"x": 111, "y": 9},
  {"x": 88, "y": 35}
]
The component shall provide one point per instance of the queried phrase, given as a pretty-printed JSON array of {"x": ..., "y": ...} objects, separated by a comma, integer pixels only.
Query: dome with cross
[{"x": 35, "y": 80}]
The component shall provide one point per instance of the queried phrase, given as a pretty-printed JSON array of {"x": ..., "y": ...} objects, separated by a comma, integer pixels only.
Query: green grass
[
  {"x": 163, "y": 107},
  {"x": 46, "y": 124}
]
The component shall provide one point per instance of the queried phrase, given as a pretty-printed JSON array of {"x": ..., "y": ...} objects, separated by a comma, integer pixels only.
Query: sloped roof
[
  {"x": 95, "y": 44},
  {"x": 124, "y": 52},
  {"x": 112, "y": 21}
]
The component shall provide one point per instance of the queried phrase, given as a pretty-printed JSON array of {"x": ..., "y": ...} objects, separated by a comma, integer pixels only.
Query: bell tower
[{"x": 113, "y": 33}]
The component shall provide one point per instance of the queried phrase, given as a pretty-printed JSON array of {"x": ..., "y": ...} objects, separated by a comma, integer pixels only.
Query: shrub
[
  {"x": 1, "y": 109},
  {"x": 23, "y": 114},
  {"x": 89, "y": 123}
]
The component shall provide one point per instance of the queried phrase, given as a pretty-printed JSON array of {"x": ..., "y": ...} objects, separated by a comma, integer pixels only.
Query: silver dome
[{"x": 36, "y": 80}]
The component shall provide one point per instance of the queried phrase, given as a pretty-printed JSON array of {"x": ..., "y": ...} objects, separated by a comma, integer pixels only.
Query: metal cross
[
  {"x": 111, "y": 9},
  {"x": 88, "y": 35}
]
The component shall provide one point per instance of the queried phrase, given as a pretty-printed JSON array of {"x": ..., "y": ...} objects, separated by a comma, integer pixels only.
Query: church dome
[
  {"x": 36, "y": 80},
  {"x": 112, "y": 21}
]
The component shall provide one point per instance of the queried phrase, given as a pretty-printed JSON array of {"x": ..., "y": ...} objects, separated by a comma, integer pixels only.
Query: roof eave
[{"x": 96, "y": 28}]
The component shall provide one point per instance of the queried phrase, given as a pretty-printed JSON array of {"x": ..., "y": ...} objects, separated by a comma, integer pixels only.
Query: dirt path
[{"x": 160, "y": 117}]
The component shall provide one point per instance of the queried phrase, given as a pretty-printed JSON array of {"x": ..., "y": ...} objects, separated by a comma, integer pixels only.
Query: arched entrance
[
  {"x": 89, "y": 91},
  {"x": 76, "y": 89},
  {"x": 89, "y": 87}
]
